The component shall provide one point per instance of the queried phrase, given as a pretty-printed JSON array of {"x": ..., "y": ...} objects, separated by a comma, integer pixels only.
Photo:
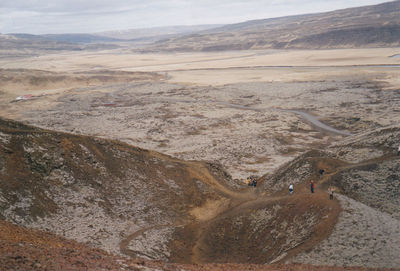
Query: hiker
[
  {"x": 331, "y": 190},
  {"x": 312, "y": 186},
  {"x": 248, "y": 181},
  {"x": 398, "y": 151},
  {"x": 321, "y": 172},
  {"x": 253, "y": 181},
  {"x": 291, "y": 189}
]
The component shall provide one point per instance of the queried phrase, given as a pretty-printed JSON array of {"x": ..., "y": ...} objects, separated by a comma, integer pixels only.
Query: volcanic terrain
[{"x": 116, "y": 159}]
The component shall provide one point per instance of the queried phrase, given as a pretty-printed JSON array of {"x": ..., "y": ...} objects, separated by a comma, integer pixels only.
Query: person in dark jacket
[{"x": 312, "y": 186}]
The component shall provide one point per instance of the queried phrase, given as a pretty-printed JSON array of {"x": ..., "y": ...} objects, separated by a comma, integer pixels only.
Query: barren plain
[{"x": 232, "y": 107}]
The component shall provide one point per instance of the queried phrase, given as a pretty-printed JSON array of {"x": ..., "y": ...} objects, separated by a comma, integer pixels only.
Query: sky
[{"x": 89, "y": 16}]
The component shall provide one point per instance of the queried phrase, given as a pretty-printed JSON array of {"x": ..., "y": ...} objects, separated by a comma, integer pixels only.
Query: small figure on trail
[
  {"x": 251, "y": 181},
  {"x": 291, "y": 189},
  {"x": 312, "y": 186},
  {"x": 398, "y": 151},
  {"x": 321, "y": 172},
  {"x": 331, "y": 190}
]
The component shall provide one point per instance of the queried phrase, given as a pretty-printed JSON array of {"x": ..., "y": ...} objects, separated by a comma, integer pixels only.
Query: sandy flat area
[{"x": 125, "y": 60}]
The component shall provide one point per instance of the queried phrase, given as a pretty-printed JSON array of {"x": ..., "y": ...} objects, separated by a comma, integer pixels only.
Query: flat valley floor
[{"x": 242, "y": 109}]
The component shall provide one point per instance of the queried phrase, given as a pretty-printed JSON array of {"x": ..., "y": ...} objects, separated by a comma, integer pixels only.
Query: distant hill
[
  {"x": 95, "y": 41},
  {"x": 368, "y": 26},
  {"x": 33, "y": 42},
  {"x": 155, "y": 32},
  {"x": 62, "y": 39},
  {"x": 27, "y": 44},
  {"x": 130, "y": 35},
  {"x": 79, "y": 38}
]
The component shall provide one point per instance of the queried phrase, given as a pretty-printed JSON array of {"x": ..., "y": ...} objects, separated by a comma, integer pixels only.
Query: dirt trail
[
  {"x": 125, "y": 242},
  {"x": 201, "y": 253},
  {"x": 302, "y": 195},
  {"x": 242, "y": 203},
  {"x": 198, "y": 171},
  {"x": 327, "y": 178},
  {"x": 203, "y": 227}
]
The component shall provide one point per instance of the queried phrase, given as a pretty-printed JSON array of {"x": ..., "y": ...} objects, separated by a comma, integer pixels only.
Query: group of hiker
[
  {"x": 331, "y": 190},
  {"x": 251, "y": 181}
]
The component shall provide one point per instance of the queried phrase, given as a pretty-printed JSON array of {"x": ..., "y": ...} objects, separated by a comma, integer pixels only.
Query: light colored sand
[
  {"x": 123, "y": 60},
  {"x": 218, "y": 68},
  {"x": 283, "y": 74}
]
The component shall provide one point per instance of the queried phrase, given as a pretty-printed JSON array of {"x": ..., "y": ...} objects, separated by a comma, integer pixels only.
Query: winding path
[
  {"x": 307, "y": 117},
  {"x": 314, "y": 121}
]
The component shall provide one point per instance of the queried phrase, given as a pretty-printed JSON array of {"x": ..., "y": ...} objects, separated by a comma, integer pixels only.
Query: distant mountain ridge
[
  {"x": 102, "y": 40},
  {"x": 129, "y": 35},
  {"x": 141, "y": 33},
  {"x": 15, "y": 45},
  {"x": 66, "y": 38},
  {"x": 30, "y": 43},
  {"x": 368, "y": 26}
]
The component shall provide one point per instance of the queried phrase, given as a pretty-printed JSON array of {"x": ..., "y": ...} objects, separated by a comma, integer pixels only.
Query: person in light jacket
[{"x": 331, "y": 190}]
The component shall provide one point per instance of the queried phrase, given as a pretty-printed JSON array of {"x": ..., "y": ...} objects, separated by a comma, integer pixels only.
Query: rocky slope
[
  {"x": 139, "y": 203},
  {"x": 95, "y": 191},
  {"x": 24, "y": 249},
  {"x": 364, "y": 170}
]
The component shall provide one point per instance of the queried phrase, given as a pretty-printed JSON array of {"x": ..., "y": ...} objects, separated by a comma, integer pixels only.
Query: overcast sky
[{"x": 87, "y": 16}]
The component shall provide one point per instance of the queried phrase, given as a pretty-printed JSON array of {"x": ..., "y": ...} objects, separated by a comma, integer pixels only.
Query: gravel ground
[
  {"x": 362, "y": 237},
  {"x": 237, "y": 125}
]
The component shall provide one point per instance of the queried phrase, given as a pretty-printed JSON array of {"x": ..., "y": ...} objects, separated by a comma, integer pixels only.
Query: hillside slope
[
  {"x": 369, "y": 26},
  {"x": 93, "y": 190},
  {"x": 364, "y": 169},
  {"x": 24, "y": 249},
  {"x": 140, "y": 203}
]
